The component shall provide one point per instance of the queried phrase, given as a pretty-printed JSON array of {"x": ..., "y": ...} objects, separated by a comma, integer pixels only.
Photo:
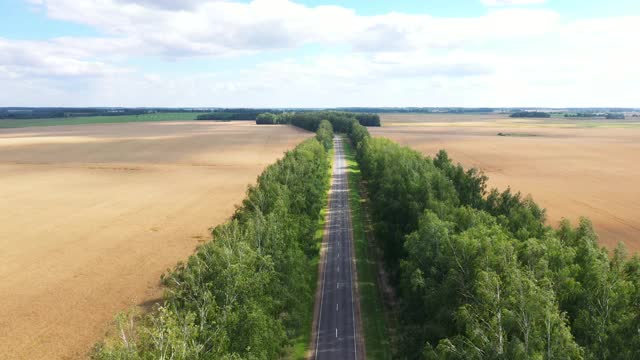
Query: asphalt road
[{"x": 336, "y": 332}]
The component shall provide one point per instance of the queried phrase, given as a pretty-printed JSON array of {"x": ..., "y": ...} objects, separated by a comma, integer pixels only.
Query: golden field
[
  {"x": 92, "y": 215},
  {"x": 571, "y": 167}
]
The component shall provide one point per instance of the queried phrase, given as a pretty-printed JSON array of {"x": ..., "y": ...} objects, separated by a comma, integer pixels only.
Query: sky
[{"x": 320, "y": 53}]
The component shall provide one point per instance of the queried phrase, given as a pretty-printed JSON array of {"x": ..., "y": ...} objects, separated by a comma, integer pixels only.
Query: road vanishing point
[{"x": 336, "y": 333}]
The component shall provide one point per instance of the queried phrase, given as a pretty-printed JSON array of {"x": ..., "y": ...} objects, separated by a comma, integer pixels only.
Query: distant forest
[
  {"x": 340, "y": 120},
  {"x": 227, "y": 114},
  {"x": 530, "y": 114},
  {"x": 54, "y": 113}
]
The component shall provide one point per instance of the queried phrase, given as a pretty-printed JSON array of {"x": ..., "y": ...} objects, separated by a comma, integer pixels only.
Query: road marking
[{"x": 340, "y": 232}]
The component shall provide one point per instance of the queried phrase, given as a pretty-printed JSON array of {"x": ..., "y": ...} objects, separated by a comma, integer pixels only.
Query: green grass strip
[
  {"x": 300, "y": 345},
  {"x": 18, "y": 123},
  {"x": 377, "y": 342}
]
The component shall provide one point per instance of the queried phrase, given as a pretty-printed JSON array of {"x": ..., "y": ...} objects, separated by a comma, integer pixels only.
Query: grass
[
  {"x": 300, "y": 345},
  {"x": 13, "y": 123},
  {"x": 376, "y": 339}
]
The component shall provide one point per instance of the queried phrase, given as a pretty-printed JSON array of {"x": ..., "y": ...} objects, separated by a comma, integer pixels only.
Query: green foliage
[
  {"x": 376, "y": 336},
  {"x": 341, "y": 121},
  {"x": 324, "y": 134},
  {"x": 471, "y": 184},
  {"x": 619, "y": 116},
  {"x": 401, "y": 183},
  {"x": 530, "y": 114},
  {"x": 246, "y": 293},
  {"x": 368, "y": 119},
  {"x": 231, "y": 114},
  {"x": 583, "y": 115},
  {"x": 267, "y": 119},
  {"x": 480, "y": 276},
  {"x": 358, "y": 135},
  {"x": 521, "y": 216},
  {"x": 488, "y": 305}
]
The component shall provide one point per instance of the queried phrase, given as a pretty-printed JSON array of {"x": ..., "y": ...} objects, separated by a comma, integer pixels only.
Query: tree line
[
  {"x": 617, "y": 116},
  {"x": 340, "y": 120},
  {"x": 595, "y": 115},
  {"x": 238, "y": 114},
  {"x": 60, "y": 112},
  {"x": 480, "y": 276},
  {"x": 530, "y": 114},
  {"x": 246, "y": 293},
  {"x": 228, "y": 116}
]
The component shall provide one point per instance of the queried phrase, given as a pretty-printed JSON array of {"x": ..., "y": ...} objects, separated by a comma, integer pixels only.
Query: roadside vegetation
[
  {"x": 477, "y": 272},
  {"x": 247, "y": 293},
  {"x": 480, "y": 276},
  {"x": 376, "y": 338},
  {"x": 341, "y": 121},
  {"x": 300, "y": 345}
]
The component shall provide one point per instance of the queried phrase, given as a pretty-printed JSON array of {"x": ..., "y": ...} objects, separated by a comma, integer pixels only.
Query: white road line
[
  {"x": 353, "y": 316},
  {"x": 337, "y": 226}
]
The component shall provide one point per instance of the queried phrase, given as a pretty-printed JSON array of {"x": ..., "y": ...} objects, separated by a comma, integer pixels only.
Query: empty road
[{"x": 336, "y": 326}]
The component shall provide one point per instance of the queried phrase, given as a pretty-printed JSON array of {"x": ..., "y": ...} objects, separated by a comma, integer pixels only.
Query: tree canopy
[
  {"x": 530, "y": 114},
  {"x": 246, "y": 293},
  {"x": 340, "y": 120},
  {"x": 478, "y": 273}
]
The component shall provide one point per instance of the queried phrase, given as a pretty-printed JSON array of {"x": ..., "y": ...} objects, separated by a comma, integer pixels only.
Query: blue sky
[{"x": 317, "y": 53}]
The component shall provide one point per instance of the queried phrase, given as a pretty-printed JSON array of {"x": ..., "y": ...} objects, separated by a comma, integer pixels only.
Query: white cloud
[
  {"x": 409, "y": 32},
  {"x": 507, "y": 57},
  {"x": 511, "y": 2},
  {"x": 222, "y": 28},
  {"x": 46, "y": 59},
  {"x": 459, "y": 78},
  {"x": 165, "y": 4},
  {"x": 209, "y": 27}
]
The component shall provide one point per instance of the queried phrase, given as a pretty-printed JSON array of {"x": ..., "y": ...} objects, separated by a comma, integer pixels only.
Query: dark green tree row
[
  {"x": 247, "y": 292},
  {"x": 583, "y": 115},
  {"x": 530, "y": 114},
  {"x": 47, "y": 113},
  {"x": 480, "y": 276},
  {"x": 341, "y": 121},
  {"x": 324, "y": 134},
  {"x": 618, "y": 116},
  {"x": 267, "y": 119},
  {"x": 226, "y": 115}
]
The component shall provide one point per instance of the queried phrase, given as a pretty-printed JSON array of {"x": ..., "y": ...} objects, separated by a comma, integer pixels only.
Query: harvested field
[
  {"x": 571, "y": 167},
  {"x": 92, "y": 215}
]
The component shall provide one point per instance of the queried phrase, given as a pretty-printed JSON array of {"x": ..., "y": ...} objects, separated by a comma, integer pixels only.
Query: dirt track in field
[
  {"x": 570, "y": 170},
  {"x": 92, "y": 215}
]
